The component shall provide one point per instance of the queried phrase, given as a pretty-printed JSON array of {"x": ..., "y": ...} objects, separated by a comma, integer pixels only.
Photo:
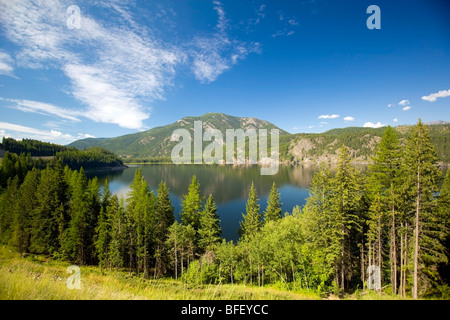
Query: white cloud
[
  {"x": 328, "y": 116},
  {"x": 120, "y": 68},
  {"x": 84, "y": 136},
  {"x": 44, "y": 108},
  {"x": 213, "y": 54},
  {"x": 349, "y": 119},
  {"x": 434, "y": 96},
  {"x": 116, "y": 72},
  {"x": 403, "y": 103},
  {"x": 32, "y": 133},
  {"x": 107, "y": 102},
  {"x": 293, "y": 22},
  {"x": 395, "y": 120},
  {"x": 6, "y": 62},
  {"x": 3, "y": 134},
  {"x": 323, "y": 122},
  {"x": 406, "y": 108},
  {"x": 373, "y": 125},
  {"x": 390, "y": 105}
]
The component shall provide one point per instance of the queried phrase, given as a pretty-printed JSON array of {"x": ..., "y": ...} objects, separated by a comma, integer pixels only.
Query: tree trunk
[
  {"x": 379, "y": 253},
  {"x": 416, "y": 234},
  {"x": 393, "y": 248},
  {"x": 401, "y": 263},
  {"x": 406, "y": 260},
  {"x": 176, "y": 263}
]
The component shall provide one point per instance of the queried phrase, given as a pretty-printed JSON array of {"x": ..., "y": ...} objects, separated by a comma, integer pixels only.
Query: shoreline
[{"x": 281, "y": 163}]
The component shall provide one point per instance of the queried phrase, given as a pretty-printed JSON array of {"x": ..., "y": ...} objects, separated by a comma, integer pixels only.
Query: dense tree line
[
  {"x": 35, "y": 147},
  {"x": 18, "y": 164},
  {"x": 14, "y": 165},
  {"x": 90, "y": 158},
  {"x": 394, "y": 217}
]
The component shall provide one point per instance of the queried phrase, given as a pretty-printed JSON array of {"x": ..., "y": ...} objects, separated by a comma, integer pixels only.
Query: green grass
[{"x": 38, "y": 278}]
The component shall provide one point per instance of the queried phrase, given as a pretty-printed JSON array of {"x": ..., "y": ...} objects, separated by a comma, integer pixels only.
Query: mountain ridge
[
  {"x": 156, "y": 142},
  {"x": 294, "y": 148}
]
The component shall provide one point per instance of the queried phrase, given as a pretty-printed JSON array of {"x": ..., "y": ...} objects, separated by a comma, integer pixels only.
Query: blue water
[{"x": 229, "y": 186}]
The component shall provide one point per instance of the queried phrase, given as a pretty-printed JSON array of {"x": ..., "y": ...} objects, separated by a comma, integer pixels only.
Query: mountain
[
  {"x": 436, "y": 122},
  {"x": 157, "y": 142},
  {"x": 295, "y": 148}
]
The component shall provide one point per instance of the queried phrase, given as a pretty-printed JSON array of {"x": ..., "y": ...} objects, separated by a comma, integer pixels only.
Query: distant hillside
[
  {"x": 88, "y": 158},
  {"x": 296, "y": 148},
  {"x": 361, "y": 141},
  {"x": 157, "y": 142}
]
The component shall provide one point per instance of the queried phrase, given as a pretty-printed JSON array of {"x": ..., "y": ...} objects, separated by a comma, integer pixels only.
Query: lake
[{"x": 229, "y": 186}]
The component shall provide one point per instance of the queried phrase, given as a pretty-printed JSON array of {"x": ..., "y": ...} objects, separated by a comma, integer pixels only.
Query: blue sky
[{"x": 306, "y": 65}]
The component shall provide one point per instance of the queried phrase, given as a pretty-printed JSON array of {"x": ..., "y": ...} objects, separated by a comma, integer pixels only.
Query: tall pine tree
[
  {"x": 273, "y": 210},
  {"x": 421, "y": 177},
  {"x": 251, "y": 224},
  {"x": 383, "y": 185},
  {"x": 209, "y": 231},
  {"x": 191, "y": 205},
  {"x": 164, "y": 219}
]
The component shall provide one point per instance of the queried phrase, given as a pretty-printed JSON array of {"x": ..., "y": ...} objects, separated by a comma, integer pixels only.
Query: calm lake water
[{"x": 229, "y": 185}]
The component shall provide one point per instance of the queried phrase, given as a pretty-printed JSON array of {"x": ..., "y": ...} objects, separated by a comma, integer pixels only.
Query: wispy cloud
[
  {"x": 43, "y": 108},
  {"x": 349, "y": 118},
  {"x": 406, "y": 108},
  {"x": 328, "y": 116},
  {"x": 390, "y": 105},
  {"x": 115, "y": 71},
  {"x": 214, "y": 54},
  {"x": 6, "y": 64},
  {"x": 434, "y": 96},
  {"x": 395, "y": 120},
  {"x": 123, "y": 69},
  {"x": 403, "y": 103},
  {"x": 373, "y": 125},
  {"x": 288, "y": 24},
  {"x": 10, "y": 129}
]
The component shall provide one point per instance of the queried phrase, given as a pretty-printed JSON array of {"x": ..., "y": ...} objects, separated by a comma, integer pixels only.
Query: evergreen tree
[
  {"x": 209, "y": 231},
  {"x": 318, "y": 219},
  {"x": 24, "y": 206},
  {"x": 273, "y": 210},
  {"x": 383, "y": 185},
  {"x": 421, "y": 176},
  {"x": 164, "y": 219},
  {"x": 347, "y": 187},
  {"x": 115, "y": 214},
  {"x": 176, "y": 241},
  {"x": 444, "y": 212},
  {"x": 48, "y": 217},
  {"x": 103, "y": 238},
  {"x": 106, "y": 197},
  {"x": 92, "y": 218},
  {"x": 191, "y": 205},
  {"x": 141, "y": 212},
  {"x": 252, "y": 219},
  {"x": 8, "y": 201},
  {"x": 76, "y": 240}
]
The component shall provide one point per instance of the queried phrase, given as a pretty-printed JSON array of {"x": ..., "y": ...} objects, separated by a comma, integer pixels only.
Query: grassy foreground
[{"x": 37, "y": 278}]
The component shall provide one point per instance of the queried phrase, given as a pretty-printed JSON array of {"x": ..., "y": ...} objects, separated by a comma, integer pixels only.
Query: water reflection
[{"x": 229, "y": 185}]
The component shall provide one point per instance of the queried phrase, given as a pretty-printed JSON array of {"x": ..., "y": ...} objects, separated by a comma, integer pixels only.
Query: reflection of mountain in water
[{"x": 225, "y": 183}]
